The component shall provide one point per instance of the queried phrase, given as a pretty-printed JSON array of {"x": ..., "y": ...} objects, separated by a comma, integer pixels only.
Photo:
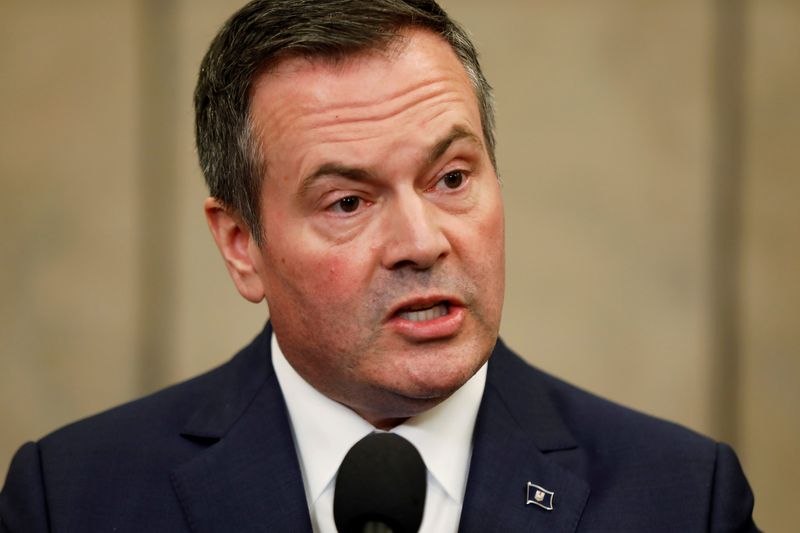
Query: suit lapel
[
  {"x": 248, "y": 477},
  {"x": 520, "y": 438}
]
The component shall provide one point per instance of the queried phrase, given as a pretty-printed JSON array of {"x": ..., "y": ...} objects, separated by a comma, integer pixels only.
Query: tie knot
[{"x": 380, "y": 484}]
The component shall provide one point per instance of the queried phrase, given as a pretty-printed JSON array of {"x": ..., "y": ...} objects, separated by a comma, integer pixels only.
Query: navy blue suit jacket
[{"x": 216, "y": 454}]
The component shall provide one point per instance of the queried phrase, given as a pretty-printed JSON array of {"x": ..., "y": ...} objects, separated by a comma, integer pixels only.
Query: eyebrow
[
  {"x": 456, "y": 134},
  {"x": 436, "y": 151}
]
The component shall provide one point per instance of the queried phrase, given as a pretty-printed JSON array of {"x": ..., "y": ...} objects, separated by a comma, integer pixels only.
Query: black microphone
[{"x": 381, "y": 483}]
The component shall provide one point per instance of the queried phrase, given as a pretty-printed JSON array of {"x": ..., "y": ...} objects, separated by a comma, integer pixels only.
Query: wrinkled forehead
[
  {"x": 416, "y": 80},
  {"x": 342, "y": 60},
  {"x": 416, "y": 57}
]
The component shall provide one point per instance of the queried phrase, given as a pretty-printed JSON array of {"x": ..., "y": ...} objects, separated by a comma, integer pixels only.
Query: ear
[{"x": 238, "y": 248}]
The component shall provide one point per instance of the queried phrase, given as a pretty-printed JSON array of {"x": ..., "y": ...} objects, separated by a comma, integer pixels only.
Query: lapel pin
[{"x": 540, "y": 496}]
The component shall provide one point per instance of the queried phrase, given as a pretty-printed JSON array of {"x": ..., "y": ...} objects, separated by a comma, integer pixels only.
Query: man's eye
[
  {"x": 453, "y": 180},
  {"x": 348, "y": 204}
]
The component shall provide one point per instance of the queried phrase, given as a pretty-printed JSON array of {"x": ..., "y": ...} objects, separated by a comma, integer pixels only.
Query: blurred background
[{"x": 649, "y": 152}]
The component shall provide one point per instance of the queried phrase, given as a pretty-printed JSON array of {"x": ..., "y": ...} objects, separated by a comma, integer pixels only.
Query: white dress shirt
[{"x": 325, "y": 430}]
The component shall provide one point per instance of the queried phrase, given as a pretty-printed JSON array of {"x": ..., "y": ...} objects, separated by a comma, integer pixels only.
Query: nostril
[
  {"x": 406, "y": 263},
  {"x": 420, "y": 262}
]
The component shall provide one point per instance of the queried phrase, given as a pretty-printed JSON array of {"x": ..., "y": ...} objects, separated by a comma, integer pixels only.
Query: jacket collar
[
  {"x": 247, "y": 478},
  {"x": 237, "y": 384},
  {"x": 520, "y": 438}
]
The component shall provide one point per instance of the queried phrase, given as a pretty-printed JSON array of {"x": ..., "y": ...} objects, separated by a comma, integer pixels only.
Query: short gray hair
[{"x": 263, "y": 33}]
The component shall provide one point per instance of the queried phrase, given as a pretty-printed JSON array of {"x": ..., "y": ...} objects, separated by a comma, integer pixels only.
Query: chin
[
  {"x": 397, "y": 400},
  {"x": 438, "y": 382}
]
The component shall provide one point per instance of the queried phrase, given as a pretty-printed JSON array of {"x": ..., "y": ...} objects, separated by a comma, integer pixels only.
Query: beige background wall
[{"x": 650, "y": 166}]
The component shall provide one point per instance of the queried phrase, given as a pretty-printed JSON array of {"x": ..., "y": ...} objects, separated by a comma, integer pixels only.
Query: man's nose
[{"x": 414, "y": 237}]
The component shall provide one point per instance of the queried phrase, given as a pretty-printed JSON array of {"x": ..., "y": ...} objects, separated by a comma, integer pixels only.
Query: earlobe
[{"x": 236, "y": 245}]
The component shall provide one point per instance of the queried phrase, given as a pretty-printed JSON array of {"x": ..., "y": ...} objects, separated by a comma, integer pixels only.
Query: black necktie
[{"x": 380, "y": 486}]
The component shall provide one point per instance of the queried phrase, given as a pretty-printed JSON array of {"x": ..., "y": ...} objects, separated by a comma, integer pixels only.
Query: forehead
[{"x": 417, "y": 79}]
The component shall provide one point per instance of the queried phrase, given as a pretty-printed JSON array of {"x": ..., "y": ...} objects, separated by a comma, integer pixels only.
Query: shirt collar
[{"x": 325, "y": 430}]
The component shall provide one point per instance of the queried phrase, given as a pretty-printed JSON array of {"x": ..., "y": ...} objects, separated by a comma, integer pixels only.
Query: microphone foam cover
[{"x": 382, "y": 479}]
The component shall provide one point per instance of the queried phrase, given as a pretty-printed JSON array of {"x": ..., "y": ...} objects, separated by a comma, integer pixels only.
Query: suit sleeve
[
  {"x": 23, "y": 508},
  {"x": 731, "y": 500}
]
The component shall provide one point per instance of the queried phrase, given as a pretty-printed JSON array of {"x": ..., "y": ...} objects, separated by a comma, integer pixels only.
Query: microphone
[{"x": 380, "y": 486}]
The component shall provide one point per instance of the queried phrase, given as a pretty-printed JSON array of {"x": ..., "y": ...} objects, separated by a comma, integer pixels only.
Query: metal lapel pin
[{"x": 540, "y": 496}]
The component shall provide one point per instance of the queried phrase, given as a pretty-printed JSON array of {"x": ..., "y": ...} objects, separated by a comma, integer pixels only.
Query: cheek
[
  {"x": 487, "y": 256},
  {"x": 332, "y": 274},
  {"x": 489, "y": 233},
  {"x": 497, "y": 240},
  {"x": 334, "y": 279}
]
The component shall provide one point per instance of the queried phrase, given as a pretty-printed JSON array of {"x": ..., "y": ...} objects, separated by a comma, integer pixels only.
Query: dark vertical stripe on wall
[
  {"x": 157, "y": 188},
  {"x": 727, "y": 180}
]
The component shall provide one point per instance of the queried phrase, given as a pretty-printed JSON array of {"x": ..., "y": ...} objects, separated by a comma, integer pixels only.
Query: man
[{"x": 348, "y": 147}]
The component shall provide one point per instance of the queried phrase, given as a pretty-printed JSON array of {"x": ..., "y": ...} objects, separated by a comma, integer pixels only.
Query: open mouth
[
  {"x": 421, "y": 313},
  {"x": 428, "y": 318}
]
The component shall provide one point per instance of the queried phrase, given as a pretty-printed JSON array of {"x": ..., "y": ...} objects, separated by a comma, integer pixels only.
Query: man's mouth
[
  {"x": 421, "y": 313},
  {"x": 428, "y": 318}
]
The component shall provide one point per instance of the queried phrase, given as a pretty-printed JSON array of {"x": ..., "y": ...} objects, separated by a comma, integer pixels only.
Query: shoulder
[
  {"x": 593, "y": 421},
  {"x": 655, "y": 473},
  {"x": 148, "y": 418},
  {"x": 81, "y": 475},
  {"x": 160, "y": 417},
  {"x": 606, "y": 424}
]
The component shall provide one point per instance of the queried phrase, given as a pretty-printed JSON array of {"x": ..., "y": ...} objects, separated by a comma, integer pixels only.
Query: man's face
[{"x": 383, "y": 262}]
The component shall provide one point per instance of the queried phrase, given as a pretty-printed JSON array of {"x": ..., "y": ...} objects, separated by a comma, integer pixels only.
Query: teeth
[{"x": 425, "y": 314}]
